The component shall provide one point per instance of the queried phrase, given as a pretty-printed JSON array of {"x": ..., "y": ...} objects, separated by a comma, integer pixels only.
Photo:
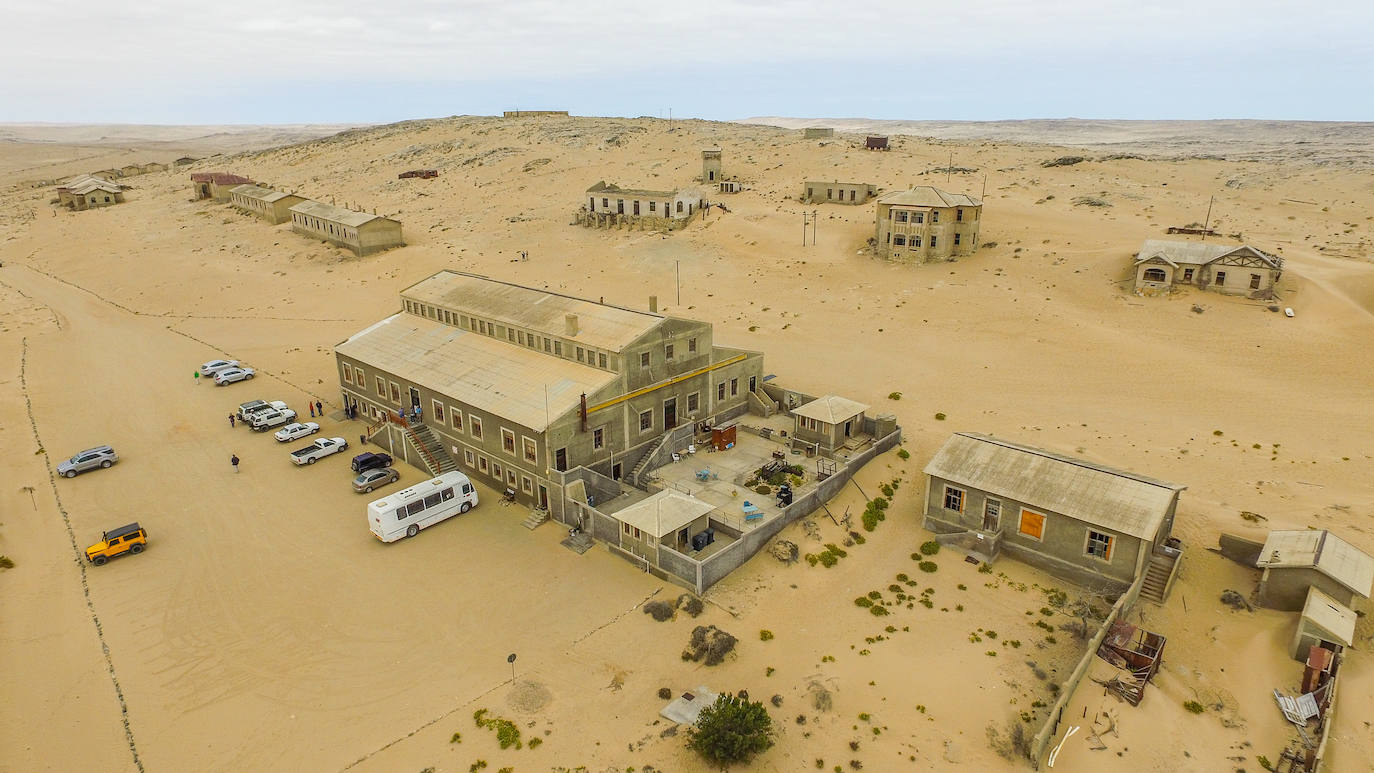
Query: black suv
[{"x": 370, "y": 461}]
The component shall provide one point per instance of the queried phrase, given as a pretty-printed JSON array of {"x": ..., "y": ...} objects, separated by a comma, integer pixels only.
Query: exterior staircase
[
  {"x": 432, "y": 452},
  {"x": 536, "y": 519},
  {"x": 1159, "y": 577},
  {"x": 634, "y": 477}
]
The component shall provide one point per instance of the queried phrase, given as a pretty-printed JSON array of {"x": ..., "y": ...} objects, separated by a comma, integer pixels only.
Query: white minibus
[{"x": 405, "y": 513}]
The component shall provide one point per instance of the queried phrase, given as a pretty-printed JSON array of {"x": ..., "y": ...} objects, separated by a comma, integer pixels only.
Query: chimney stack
[
  {"x": 653, "y": 304},
  {"x": 571, "y": 321}
]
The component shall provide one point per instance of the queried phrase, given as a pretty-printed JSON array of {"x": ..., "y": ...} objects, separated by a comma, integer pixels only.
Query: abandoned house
[
  {"x": 828, "y": 422},
  {"x": 926, "y": 224},
  {"x": 610, "y": 206},
  {"x": 819, "y": 192},
  {"x": 711, "y": 171},
  {"x": 875, "y": 142},
  {"x": 130, "y": 170},
  {"x": 817, "y": 133},
  {"x": 1094, "y": 525},
  {"x": 361, "y": 232},
  {"x": 153, "y": 166},
  {"x": 1293, "y": 561},
  {"x": 270, "y": 205},
  {"x": 1232, "y": 269},
  {"x": 216, "y": 185},
  {"x": 89, "y": 192},
  {"x": 523, "y": 388}
]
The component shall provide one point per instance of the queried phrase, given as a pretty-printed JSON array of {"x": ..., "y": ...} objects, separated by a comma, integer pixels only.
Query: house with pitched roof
[
  {"x": 216, "y": 185},
  {"x": 358, "y": 231},
  {"x": 89, "y": 192},
  {"x": 828, "y": 422},
  {"x": 1232, "y": 269},
  {"x": 522, "y": 387},
  {"x": 610, "y": 206},
  {"x": 926, "y": 224},
  {"x": 1095, "y": 525},
  {"x": 1294, "y": 561},
  {"x": 271, "y": 205}
]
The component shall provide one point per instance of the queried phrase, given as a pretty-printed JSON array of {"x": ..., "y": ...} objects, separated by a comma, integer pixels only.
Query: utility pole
[
  {"x": 814, "y": 218},
  {"x": 1207, "y": 222},
  {"x": 949, "y": 170},
  {"x": 677, "y": 267},
  {"x": 984, "y": 194}
]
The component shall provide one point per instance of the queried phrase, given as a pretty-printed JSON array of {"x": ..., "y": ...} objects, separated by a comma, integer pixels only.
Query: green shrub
[
  {"x": 733, "y": 729},
  {"x": 764, "y": 489},
  {"x": 878, "y": 610},
  {"x": 863, "y": 601},
  {"x": 894, "y": 395},
  {"x": 6, "y": 562},
  {"x": 535, "y": 742},
  {"x": 930, "y": 548},
  {"x": 457, "y": 738},
  {"x": 765, "y": 635},
  {"x": 888, "y": 490},
  {"x": 928, "y": 566},
  {"x": 939, "y": 417},
  {"x": 1194, "y": 706},
  {"x": 829, "y": 559},
  {"x": 903, "y": 454}
]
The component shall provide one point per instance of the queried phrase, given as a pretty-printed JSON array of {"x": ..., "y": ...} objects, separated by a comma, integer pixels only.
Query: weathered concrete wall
[
  {"x": 1239, "y": 549},
  {"x": 1286, "y": 588}
]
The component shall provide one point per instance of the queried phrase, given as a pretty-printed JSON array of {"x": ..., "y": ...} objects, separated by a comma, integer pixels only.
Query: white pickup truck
[
  {"x": 318, "y": 450},
  {"x": 276, "y": 417}
]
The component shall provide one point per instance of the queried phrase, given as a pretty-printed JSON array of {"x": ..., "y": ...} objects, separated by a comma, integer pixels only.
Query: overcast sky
[{"x": 295, "y": 61}]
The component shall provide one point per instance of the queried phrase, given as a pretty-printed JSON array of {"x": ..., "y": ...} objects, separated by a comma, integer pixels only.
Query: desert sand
[{"x": 265, "y": 629}]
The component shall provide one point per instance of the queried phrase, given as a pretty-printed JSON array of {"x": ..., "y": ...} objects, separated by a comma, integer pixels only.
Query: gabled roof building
[
  {"x": 270, "y": 205},
  {"x": 1232, "y": 269},
  {"x": 610, "y": 206},
  {"x": 216, "y": 185},
  {"x": 926, "y": 224},
  {"x": 1294, "y": 561},
  {"x": 1092, "y": 524},
  {"x": 89, "y": 192},
  {"x": 358, "y": 231}
]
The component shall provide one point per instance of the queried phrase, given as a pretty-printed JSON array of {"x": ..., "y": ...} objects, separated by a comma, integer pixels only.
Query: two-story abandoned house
[
  {"x": 518, "y": 386},
  {"x": 926, "y": 224}
]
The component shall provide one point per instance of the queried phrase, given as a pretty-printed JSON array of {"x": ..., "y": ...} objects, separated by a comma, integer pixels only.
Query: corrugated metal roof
[
  {"x": 1322, "y": 550},
  {"x": 494, "y": 376},
  {"x": 83, "y": 184},
  {"x": 830, "y": 409},
  {"x": 600, "y": 325},
  {"x": 928, "y": 196},
  {"x": 1330, "y": 615},
  {"x": 336, "y": 214},
  {"x": 664, "y": 512},
  {"x": 219, "y": 178},
  {"x": 1114, "y": 499},
  {"x": 1196, "y": 253},
  {"x": 262, "y": 194}
]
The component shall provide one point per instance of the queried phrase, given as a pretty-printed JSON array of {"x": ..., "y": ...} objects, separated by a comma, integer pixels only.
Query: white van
[{"x": 405, "y": 513}]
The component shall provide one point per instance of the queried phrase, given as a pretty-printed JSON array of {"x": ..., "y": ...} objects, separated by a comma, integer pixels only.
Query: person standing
[
  {"x": 231, "y": 421},
  {"x": 196, "y": 376},
  {"x": 319, "y": 409},
  {"x": 234, "y": 460},
  {"x": 312, "y": 409}
]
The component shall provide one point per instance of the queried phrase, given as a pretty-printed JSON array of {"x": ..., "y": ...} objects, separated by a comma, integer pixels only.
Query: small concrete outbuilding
[
  {"x": 272, "y": 206},
  {"x": 1294, "y": 561},
  {"x": 829, "y": 422},
  {"x": 1094, "y": 525},
  {"x": 1230, "y": 269},
  {"x": 358, "y": 231},
  {"x": 1324, "y": 623},
  {"x": 668, "y": 517},
  {"x": 822, "y": 192}
]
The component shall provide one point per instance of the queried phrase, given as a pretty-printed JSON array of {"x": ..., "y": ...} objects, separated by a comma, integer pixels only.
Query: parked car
[
  {"x": 230, "y": 375},
  {"x": 265, "y": 420},
  {"x": 321, "y": 448},
  {"x": 215, "y": 366},
  {"x": 253, "y": 407},
  {"x": 116, "y": 542},
  {"x": 375, "y": 478},
  {"x": 299, "y": 429},
  {"x": 370, "y": 461},
  {"x": 91, "y": 458}
]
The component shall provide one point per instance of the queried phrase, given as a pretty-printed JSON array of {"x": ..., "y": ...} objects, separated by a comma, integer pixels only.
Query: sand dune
[{"x": 266, "y": 629}]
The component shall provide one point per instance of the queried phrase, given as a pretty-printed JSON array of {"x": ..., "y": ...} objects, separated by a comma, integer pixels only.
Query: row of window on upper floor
[
  {"x": 905, "y": 215},
  {"x": 914, "y": 241},
  {"x": 323, "y": 226}
]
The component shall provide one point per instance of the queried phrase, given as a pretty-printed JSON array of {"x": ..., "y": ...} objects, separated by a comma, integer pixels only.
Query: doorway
[
  {"x": 414, "y": 398},
  {"x": 753, "y": 383},
  {"x": 670, "y": 413},
  {"x": 615, "y": 471},
  {"x": 992, "y": 515},
  {"x": 849, "y": 428},
  {"x": 543, "y": 497}
]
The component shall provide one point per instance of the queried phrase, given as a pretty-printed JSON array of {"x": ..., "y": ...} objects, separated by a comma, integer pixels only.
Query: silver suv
[{"x": 91, "y": 458}]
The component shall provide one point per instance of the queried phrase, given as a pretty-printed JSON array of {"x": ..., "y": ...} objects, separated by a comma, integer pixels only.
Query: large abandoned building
[
  {"x": 822, "y": 192},
  {"x": 1232, "y": 269},
  {"x": 360, "y": 232},
  {"x": 1094, "y": 525},
  {"x": 89, "y": 192},
  {"x": 216, "y": 185},
  {"x": 270, "y": 205},
  {"x": 926, "y": 224},
  {"x": 520, "y": 386},
  {"x": 610, "y": 206}
]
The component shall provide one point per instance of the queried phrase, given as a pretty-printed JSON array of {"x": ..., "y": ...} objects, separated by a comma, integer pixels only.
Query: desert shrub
[
  {"x": 665, "y": 693},
  {"x": 1194, "y": 707},
  {"x": 863, "y": 601},
  {"x": 534, "y": 743},
  {"x": 939, "y": 417},
  {"x": 812, "y": 558},
  {"x": 1063, "y": 161},
  {"x": 733, "y": 729},
  {"x": 930, "y": 548},
  {"x": 456, "y": 738},
  {"x": 659, "y": 610},
  {"x": 6, "y": 562},
  {"x": 764, "y": 489},
  {"x": 888, "y": 490},
  {"x": 878, "y": 610},
  {"x": 507, "y": 734},
  {"x": 710, "y": 643},
  {"x": 765, "y": 635},
  {"x": 902, "y": 453},
  {"x": 894, "y": 396},
  {"x": 691, "y": 604},
  {"x": 928, "y": 566}
]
